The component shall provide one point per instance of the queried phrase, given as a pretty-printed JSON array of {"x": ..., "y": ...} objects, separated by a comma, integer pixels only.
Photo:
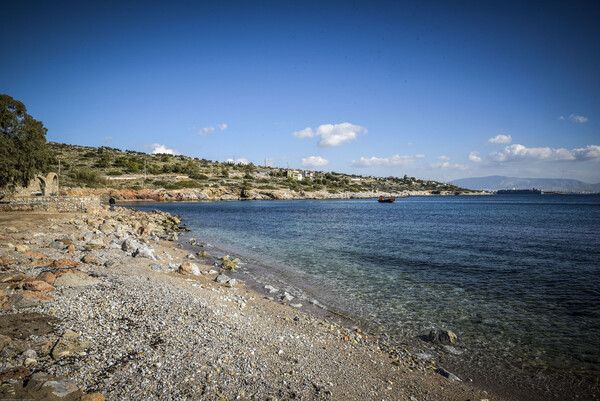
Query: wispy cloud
[
  {"x": 443, "y": 158},
  {"x": 474, "y": 158},
  {"x": 391, "y": 161},
  {"x": 157, "y": 148},
  {"x": 208, "y": 130},
  {"x": 107, "y": 139},
  {"x": 332, "y": 134},
  {"x": 561, "y": 118},
  {"x": 500, "y": 139},
  {"x": 578, "y": 119},
  {"x": 519, "y": 153},
  {"x": 449, "y": 166},
  {"x": 314, "y": 161}
]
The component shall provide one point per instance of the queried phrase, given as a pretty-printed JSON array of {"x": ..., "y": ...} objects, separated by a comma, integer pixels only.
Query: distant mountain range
[{"x": 496, "y": 182}]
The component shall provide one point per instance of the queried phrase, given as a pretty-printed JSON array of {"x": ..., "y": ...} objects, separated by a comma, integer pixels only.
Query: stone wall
[{"x": 52, "y": 204}]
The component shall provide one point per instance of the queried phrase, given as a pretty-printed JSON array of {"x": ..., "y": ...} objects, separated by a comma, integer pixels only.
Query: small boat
[{"x": 383, "y": 199}]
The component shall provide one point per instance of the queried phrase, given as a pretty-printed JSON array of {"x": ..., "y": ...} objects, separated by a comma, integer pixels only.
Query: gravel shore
[{"x": 106, "y": 306}]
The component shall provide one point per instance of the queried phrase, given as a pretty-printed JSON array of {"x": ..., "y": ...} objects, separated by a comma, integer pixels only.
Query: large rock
[
  {"x": 221, "y": 278},
  {"x": 130, "y": 245},
  {"x": 37, "y": 285},
  {"x": 189, "y": 268},
  {"x": 91, "y": 259},
  {"x": 144, "y": 251},
  {"x": 39, "y": 384},
  {"x": 447, "y": 375},
  {"x": 92, "y": 246},
  {"x": 75, "y": 280},
  {"x": 12, "y": 277},
  {"x": 270, "y": 289},
  {"x": 106, "y": 228},
  {"x": 26, "y": 299},
  {"x": 441, "y": 336},
  {"x": 65, "y": 263},
  {"x": 68, "y": 344}
]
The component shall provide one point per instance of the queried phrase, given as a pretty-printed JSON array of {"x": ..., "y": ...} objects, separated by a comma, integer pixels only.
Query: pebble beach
[{"x": 105, "y": 305}]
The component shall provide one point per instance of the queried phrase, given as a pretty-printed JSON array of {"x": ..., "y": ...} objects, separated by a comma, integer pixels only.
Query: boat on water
[{"x": 383, "y": 199}]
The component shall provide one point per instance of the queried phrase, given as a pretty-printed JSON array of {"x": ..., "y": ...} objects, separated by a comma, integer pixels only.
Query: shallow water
[{"x": 515, "y": 276}]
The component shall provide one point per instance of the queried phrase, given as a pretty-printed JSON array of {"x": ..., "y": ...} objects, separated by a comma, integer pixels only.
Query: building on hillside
[
  {"x": 296, "y": 175},
  {"x": 309, "y": 175}
]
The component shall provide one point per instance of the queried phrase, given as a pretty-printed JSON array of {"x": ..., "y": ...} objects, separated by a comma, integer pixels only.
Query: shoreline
[
  {"x": 484, "y": 371},
  {"x": 242, "y": 343}
]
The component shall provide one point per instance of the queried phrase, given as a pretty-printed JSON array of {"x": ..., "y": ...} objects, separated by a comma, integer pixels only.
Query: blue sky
[{"x": 436, "y": 90}]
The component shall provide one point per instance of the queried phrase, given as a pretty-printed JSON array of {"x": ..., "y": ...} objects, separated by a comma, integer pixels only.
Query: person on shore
[{"x": 112, "y": 201}]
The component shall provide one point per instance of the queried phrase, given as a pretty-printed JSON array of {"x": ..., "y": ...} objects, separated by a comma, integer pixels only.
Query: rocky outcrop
[{"x": 232, "y": 193}]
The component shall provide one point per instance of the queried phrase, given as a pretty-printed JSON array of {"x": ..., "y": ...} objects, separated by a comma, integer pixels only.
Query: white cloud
[
  {"x": 240, "y": 160},
  {"x": 516, "y": 153},
  {"x": 443, "y": 158},
  {"x": 449, "y": 166},
  {"x": 500, "y": 139},
  {"x": 590, "y": 152},
  {"x": 395, "y": 160},
  {"x": 474, "y": 158},
  {"x": 305, "y": 133},
  {"x": 314, "y": 161},
  {"x": 222, "y": 127},
  {"x": 578, "y": 119},
  {"x": 107, "y": 138},
  {"x": 158, "y": 148},
  {"x": 332, "y": 134},
  {"x": 561, "y": 118},
  {"x": 206, "y": 130}
]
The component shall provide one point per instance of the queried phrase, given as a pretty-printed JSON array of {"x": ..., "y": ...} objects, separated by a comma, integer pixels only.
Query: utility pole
[{"x": 59, "y": 167}]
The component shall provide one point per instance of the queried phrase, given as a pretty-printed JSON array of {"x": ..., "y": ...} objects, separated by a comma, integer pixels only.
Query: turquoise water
[{"x": 516, "y": 277}]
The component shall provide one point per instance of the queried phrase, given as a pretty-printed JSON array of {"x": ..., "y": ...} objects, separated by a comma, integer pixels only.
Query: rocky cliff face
[{"x": 226, "y": 193}]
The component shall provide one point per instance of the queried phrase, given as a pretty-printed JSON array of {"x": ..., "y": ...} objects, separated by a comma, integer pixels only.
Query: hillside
[
  {"x": 496, "y": 182},
  {"x": 84, "y": 169}
]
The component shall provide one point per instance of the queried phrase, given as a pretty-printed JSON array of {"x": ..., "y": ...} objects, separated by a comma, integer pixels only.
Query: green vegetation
[
  {"x": 88, "y": 178},
  {"x": 23, "y": 151},
  {"x": 135, "y": 170},
  {"x": 177, "y": 185}
]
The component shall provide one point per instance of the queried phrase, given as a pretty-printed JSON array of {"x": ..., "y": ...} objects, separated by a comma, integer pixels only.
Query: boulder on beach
[
  {"x": 75, "y": 280},
  {"x": 189, "y": 268},
  {"x": 441, "y": 336}
]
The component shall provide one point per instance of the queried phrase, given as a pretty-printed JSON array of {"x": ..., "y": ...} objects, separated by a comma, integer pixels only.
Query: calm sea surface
[{"x": 515, "y": 276}]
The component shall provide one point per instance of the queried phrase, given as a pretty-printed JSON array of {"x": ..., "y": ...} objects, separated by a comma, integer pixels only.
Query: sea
[{"x": 516, "y": 277}]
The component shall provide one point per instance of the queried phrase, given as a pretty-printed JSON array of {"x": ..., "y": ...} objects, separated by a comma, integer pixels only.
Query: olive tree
[{"x": 23, "y": 151}]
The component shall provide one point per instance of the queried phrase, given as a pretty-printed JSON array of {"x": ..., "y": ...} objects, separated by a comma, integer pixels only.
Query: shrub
[
  {"x": 87, "y": 177},
  {"x": 177, "y": 185},
  {"x": 114, "y": 172}
]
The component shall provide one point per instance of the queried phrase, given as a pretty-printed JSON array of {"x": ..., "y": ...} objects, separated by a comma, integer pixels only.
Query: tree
[{"x": 23, "y": 151}]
